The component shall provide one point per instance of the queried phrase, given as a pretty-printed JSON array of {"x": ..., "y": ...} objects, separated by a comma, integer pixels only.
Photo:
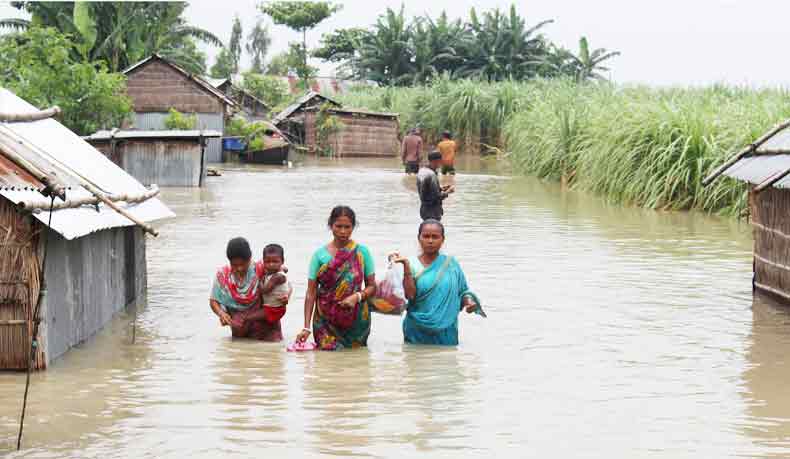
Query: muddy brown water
[{"x": 612, "y": 332}]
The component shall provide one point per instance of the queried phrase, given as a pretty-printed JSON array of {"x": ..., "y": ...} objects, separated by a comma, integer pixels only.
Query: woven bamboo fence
[
  {"x": 770, "y": 211},
  {"x": 19, "y": 286}
]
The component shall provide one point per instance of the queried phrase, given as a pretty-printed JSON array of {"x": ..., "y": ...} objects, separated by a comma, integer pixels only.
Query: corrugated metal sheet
[
  {"x": 758, "y": 169},
  {"x": 302, "y": 101},
  {"x": 53, "y": 148},
  {"x": 208, "y": 121},
  {"x": 163, "y": 163},
  {"x": 779, "y": 142},
  {"x": 131, "y": 134}
]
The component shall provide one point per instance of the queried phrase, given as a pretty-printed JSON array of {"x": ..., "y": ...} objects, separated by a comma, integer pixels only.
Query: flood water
[{"x": 612, "y": 332}]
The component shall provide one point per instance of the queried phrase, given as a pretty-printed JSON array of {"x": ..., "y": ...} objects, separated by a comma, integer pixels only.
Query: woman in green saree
[
  {"x": 341, "y": 279},
  {"x": 437, "y": 291}
]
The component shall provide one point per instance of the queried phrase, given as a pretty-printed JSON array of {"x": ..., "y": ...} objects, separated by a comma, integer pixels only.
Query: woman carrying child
[
  {"x": 436, "y": 288},
  {"x": 236, "y": 295},
  {"x": 341, "y": 279}
]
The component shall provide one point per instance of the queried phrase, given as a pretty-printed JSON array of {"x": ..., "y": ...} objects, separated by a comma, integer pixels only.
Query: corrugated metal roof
[
  {"x": 216, "y": 82},
  {"x": 200, "y": 81},
  {"x": 360, "y": 111},
  {"x": 135, "y": 134},
  {"x": 758, "y": 169},
  {"x": 283, "y": 115},
  {"x": 778, "y": 143},
  {"x": 53, "y": 148}
]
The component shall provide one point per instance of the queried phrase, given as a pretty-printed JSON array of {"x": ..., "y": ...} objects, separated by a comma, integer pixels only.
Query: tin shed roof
[
  {"x": 765, "y": 162},
  {"x": 165, "y": 134},
  {"x": 291, "y": 109},
  {"x": 52, "y": 148}
]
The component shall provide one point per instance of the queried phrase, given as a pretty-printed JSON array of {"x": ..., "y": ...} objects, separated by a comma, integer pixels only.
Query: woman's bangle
[
  {"x": 361, "y": 297},
  {"x": 305, "y": 329}
]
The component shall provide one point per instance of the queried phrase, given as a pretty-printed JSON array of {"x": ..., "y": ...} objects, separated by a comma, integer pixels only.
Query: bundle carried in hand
[{"x": 390, "y": 297}]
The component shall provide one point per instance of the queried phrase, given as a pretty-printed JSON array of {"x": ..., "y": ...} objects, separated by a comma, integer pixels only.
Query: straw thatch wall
[
  {"x": 361, "y": 135},
  {"x": 19, "y": 285},
  {"x": 770, "y": 211},
  {"x": 157, "y": 87}
]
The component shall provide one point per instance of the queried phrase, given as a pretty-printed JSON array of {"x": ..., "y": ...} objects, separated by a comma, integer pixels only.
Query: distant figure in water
[
  {"x": 236, "y": 295},
  {"x": 436, "y": 288},
  {"x": 432, "y": 194},
  {"x": 448, "y": 148},
  {"x": 411, "y": 151}
]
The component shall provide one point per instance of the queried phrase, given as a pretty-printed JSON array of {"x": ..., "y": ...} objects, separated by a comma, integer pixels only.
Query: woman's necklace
[{"x": 427, "y": 260}]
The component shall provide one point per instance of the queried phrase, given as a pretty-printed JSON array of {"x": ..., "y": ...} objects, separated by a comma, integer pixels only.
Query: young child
[{"x": 276, "y": 289}]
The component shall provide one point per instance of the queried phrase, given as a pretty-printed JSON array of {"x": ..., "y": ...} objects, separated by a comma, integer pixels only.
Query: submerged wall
[
  {"x": 770, "y": 214},
  {"x": 161, "y": 161},
  {"x": 89, "y": 280}
]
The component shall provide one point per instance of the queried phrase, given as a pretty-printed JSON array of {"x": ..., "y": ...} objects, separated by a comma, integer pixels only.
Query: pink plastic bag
[{"x": 298, "y": 346}]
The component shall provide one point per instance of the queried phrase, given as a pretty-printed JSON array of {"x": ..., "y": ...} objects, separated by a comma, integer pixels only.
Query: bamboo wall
[
  {"x": 770, "y": 211},
  {"x": 361, "y": 136},
  {"x": 156, "y": 87},
  {"x": 19, "y": 286}
]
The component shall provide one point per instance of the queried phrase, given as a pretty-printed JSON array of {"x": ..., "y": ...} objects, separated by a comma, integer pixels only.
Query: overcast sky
[{"x": 667, "y": 42}]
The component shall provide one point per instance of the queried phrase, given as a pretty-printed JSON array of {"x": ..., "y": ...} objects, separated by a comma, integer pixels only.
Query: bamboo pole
[
  {"x": 91, "y": 189},
  {"x": 47, "y": 179},
  {"x": 771, "y": 181},
  {"x": 35, "y": 206},
  {"x": 745, "y": 152},
  {"x": 26, "y": 117}
]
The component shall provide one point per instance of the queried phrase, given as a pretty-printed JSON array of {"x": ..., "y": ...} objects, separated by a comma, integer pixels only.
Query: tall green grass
[{"x": 634, "y": 145}]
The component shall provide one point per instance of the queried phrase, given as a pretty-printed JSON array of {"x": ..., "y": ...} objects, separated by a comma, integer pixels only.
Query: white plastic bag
[{"x": 390, "y": 297}]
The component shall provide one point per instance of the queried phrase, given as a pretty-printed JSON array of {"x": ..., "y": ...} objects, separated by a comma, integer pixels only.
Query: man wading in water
[
  {"x": 431, "y": 193},
  {"x": 410, "y": 151}
]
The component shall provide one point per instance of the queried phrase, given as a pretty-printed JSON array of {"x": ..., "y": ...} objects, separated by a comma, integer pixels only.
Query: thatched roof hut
[
  {"x": 95, "y": 236},
  {"x": 765, "y": 166}
]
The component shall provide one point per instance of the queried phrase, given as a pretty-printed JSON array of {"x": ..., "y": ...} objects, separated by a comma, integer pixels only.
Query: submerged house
[
  {"x": 164, "y": 158},
  {"x": 253, "y": 108},
  {"x": 361, "y": 133},
  {"x": 155, "y": 85},
  {"x": 765, "y": 166},
  {"x": 66, "y": 210},
  {"x": 292, "y": 119}
]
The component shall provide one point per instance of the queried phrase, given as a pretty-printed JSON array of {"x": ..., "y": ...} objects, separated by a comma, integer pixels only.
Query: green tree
[
  {"x": 234, "y": 45},
  {"x": 223, "y": 65},
  {"x": 587, "y": 65},
  {"x": 120, "y": 33},
  {"x": 176, "y": 120},
  {"x": 38, "y": 66},
  {"x": 300, "y": 16},
  {"x": 269, "y": 89},
  {"x": 437, "y": 46},
  {"x": 503, "y": 47},
  {"x": 279, "y": 64},
  {"x": 342, "y": 46},
  {"x": 258, "y": 43},
  {"x": 386, "y": 55}
]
